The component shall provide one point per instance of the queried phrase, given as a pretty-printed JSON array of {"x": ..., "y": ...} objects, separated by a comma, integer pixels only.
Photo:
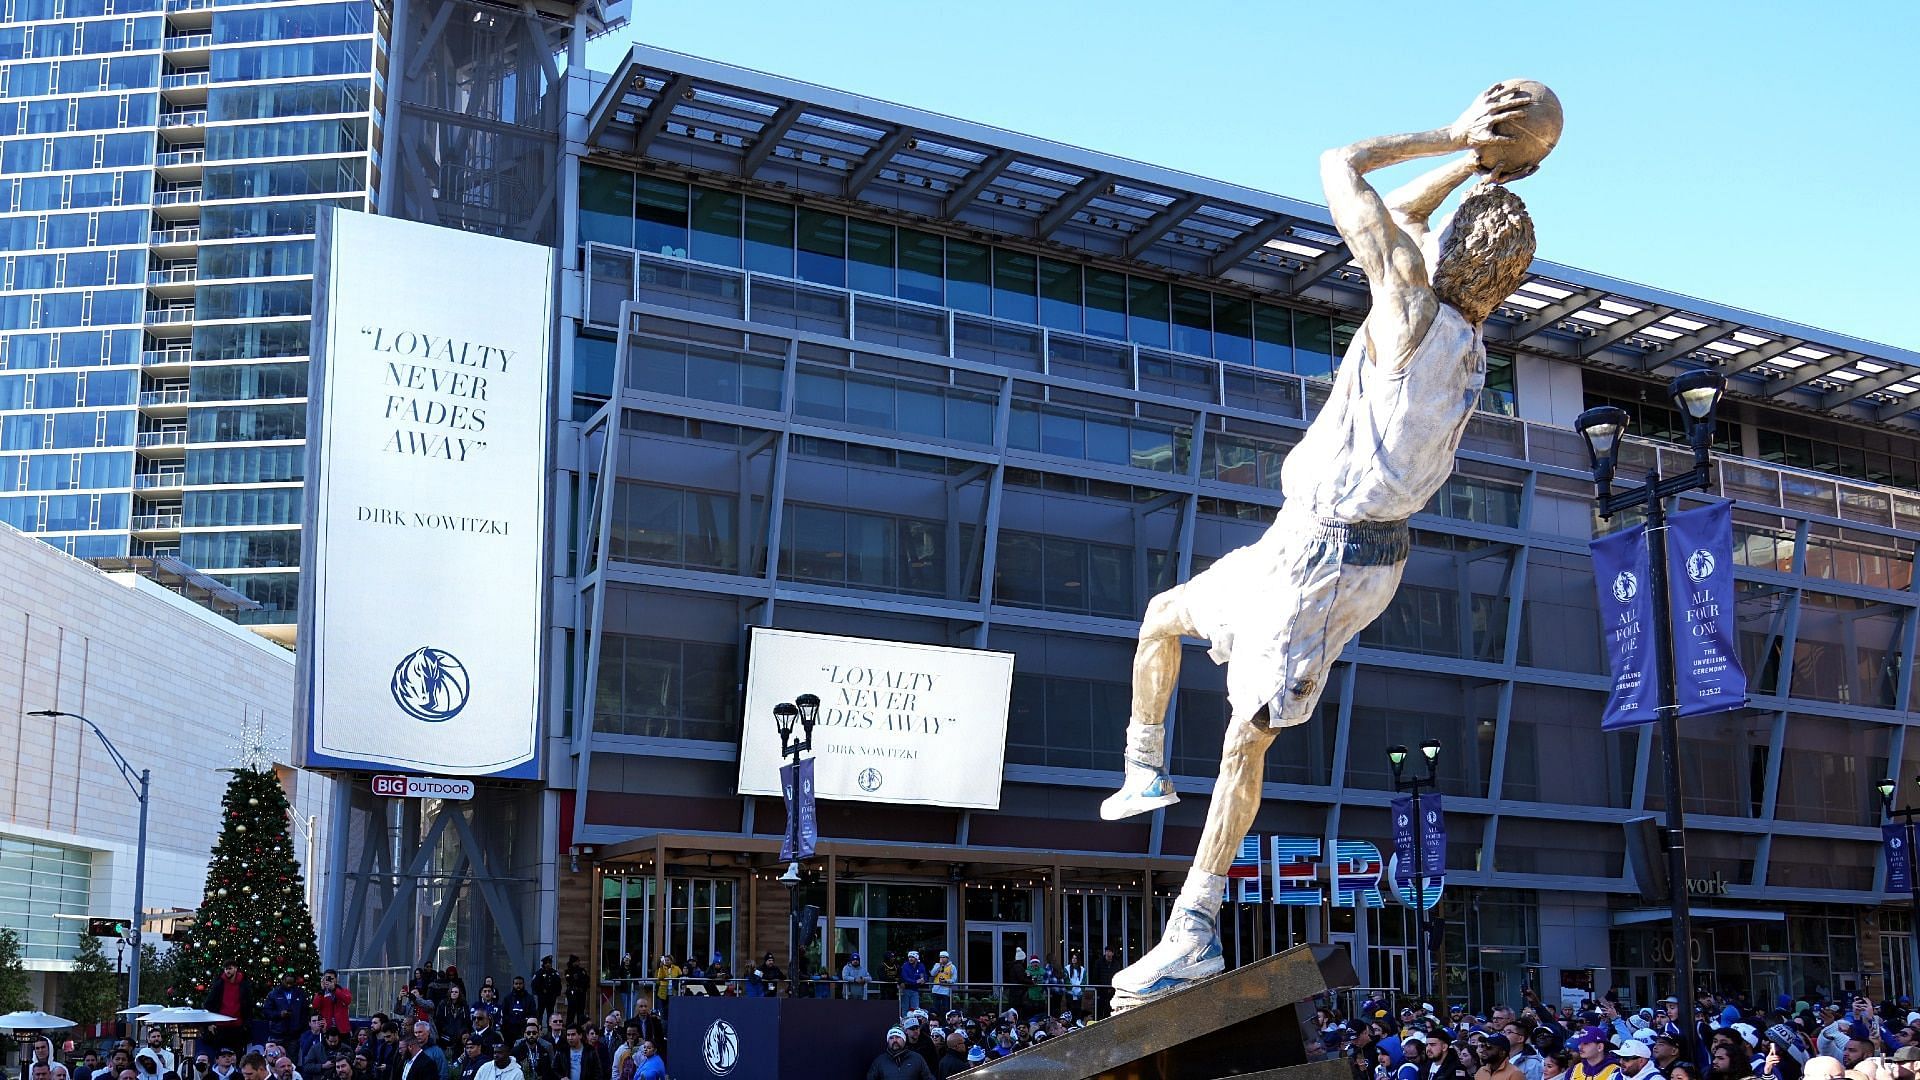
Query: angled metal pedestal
[{"x": 1251, "y": 1023}]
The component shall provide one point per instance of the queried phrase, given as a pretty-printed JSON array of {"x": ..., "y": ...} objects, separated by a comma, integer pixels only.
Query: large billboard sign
[
  {"x": 420, "y": 608},
  {"x": 900, "y": 723}
]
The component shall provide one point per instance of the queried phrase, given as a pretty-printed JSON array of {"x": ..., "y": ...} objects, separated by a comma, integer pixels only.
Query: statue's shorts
[{"x": 1282, "y": 608}]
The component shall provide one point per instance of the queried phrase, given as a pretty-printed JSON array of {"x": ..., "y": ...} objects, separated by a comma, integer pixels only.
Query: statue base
[{"x": 1251, "y": 1023}]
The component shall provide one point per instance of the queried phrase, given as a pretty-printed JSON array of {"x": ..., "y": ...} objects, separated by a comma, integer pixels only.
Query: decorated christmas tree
[{"x": 254, "y": 914}]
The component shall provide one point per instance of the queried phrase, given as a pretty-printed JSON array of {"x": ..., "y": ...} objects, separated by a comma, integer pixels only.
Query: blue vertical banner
[
  {"x": 1433, "y": 835},
  {"x": 1401, "y": 810},
  {"x": 1626, "y": 608},
  {"x": 1706, "y": 662},
  {"x": 1893, "y": 836},
  {"x": 796, "y": 786}
]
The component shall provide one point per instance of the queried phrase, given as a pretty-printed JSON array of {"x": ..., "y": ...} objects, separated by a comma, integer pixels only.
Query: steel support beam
[
  {"x": 1162, "y": 223},
  {"x": 611, "y": 104},
  {"x": 1249, "y": 242},
  {"x": 972, "y": 186},
  {"x": 1871, "y": 385},
  {"x": 1548, "y": 317},
  {"x": 769, "y": 137},
  {"x": 1902, "y": 408},
  {"x": 1091, "y": 188},
  {"x": 1623, "y": 328},
  {"x": 1758, "y": 355},
  {"x": 1808, "y": 372},
  {"x": 1323, "y": 264},
  {"x": 876, "y": 160},
  {"x": 1678, "y": 348},
  {"x": 657, "y": 114}
]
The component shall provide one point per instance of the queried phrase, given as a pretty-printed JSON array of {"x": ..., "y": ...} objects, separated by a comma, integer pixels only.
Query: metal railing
[
  {"x": 145, "y": 522},
  {"x": 971, "y": 998},
  {"x": 171, "y": 478},
  {"x": 159, "y": 357},
  {"x": 191, "y": 156},
  {"x": 164, "y": 397},
  {"x": 186, "y": 196},
  {"x": 186, "y": 41},
  {"x": 377, "y": 989},
  {"x": 170, "y": 437},
  {"x": 166, "y": 316},
  {"x": 183, "y": 80},
  {"x": 184, "y": 118},
  {"x": 189, "y": 5},
  {"x": 175, "y": 276},
  {"x": 180, "y": 234}
]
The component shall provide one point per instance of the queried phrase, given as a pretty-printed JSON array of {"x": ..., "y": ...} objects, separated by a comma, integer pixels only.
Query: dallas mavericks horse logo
[
  {"x": 720, "y": 1048},
  {"x": 1700, "y": 565},
  {"x": 430, "y": 684}
]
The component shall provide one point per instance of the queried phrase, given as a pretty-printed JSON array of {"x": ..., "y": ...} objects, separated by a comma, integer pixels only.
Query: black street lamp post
[
  {"x": 1423, "y": 954},
  {"x": 1697, "y": 395},
  {"x": 1906, "y": 815},
  {"x": 138, "y": 781},
  {"x": 802, "y": 712}
]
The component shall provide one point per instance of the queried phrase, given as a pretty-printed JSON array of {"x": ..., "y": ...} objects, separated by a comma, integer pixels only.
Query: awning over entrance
[{"x": 1661, "y": 915}]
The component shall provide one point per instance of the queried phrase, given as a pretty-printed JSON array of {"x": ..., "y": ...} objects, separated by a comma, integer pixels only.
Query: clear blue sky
[{"x": 1763, "y": 154}]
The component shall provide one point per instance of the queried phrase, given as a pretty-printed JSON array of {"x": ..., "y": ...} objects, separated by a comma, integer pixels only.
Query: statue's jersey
[{"x": 1384, "y": 442}]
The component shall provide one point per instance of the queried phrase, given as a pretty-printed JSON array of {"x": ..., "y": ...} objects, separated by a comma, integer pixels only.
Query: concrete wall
[
  {"x": 171, "y": 684},
  {"x": 1574, "y": 931}
]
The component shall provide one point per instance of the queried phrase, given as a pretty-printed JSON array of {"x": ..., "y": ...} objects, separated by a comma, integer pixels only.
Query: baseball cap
[
  {"x": 1667, "y": 1037},
  {"x": 913, "y": 954},
  {"x": 1745, "y": 1031},
  {"x": 945, "y": 955},
  {"x": 1413, "y": 1037},
  {"x": 855, "y": 956},
  {"x": 1634, "y": 1048}
]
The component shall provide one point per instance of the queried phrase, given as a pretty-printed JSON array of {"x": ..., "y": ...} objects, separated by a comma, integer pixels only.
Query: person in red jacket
[
  {"x": 332, "y": 1003},
  {"x": 235, "y": 995}
]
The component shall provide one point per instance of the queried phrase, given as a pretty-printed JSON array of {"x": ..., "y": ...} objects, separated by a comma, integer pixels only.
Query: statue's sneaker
[
  {"x": 1141, "y": 789},
  {"x": 1188, "y": 952}
]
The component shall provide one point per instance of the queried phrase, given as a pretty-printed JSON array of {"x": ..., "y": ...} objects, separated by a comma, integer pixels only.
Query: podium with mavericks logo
[{"x": 725, "y": 1038}]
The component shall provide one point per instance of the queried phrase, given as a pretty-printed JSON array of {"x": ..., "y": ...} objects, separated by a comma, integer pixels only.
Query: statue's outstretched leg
[
  {"x": 1156, "y": 667},
  {"x": 1190, "y": 949}
]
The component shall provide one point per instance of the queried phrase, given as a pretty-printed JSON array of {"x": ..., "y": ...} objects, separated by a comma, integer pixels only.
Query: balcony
[
  {"x": 168, "y": 437},
  {"x": 186, "y": 42},
  {"x": 188, "y": 5},
  {"x": 185, "y": 87},
  {"x": 180, "y": 237},
  {"x": 183, "y": 125},
  {"x": 166, "y": 357},
  {"x": 182, "y": 196},
  {"x": 153, "y": 398},
  {"x": 156, "y": 522},
  {"x": 169, "y": 316},
  {"x": 164, "y": 480},
  {"x": 179, "y": 275},
  {"x": 181, "y": 164}
]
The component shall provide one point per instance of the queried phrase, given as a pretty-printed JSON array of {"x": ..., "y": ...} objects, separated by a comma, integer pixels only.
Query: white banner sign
[
  {"x": 899, "y": 723},
  {"x": 425, "y": 530}
]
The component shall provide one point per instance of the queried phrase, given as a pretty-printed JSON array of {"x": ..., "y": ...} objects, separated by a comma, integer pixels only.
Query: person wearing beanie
[{"x": 897, "y": 1062}]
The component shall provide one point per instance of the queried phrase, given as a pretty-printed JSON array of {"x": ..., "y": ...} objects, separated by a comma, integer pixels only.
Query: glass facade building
[
  {"x": 878, "y": 372},
  {"x": 161, "y": 166}
]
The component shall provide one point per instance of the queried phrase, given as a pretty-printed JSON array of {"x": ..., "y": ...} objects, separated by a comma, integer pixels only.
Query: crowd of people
[
  {"x": 538, "y": 1028},
  {"x": 1716, "y": 1038}
]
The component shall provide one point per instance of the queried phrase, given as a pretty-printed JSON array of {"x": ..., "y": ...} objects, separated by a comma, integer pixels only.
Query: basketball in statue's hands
[{"x": 1512, "y": 126}]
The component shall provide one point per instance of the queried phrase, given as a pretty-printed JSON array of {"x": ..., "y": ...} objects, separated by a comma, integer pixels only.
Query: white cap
[
  {"x": 1634, "y": 1048},
  {"x": 1414, "y": 1037},
  {"x": 945, "y": 955},
  {"x": 1913, "y": 1018},
  {"x": 913, "y": 954},
  {"x": 1747, "y": 1032}
]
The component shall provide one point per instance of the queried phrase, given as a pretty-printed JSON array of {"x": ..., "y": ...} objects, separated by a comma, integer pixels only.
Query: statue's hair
[{"x": 1486, "y": 252}]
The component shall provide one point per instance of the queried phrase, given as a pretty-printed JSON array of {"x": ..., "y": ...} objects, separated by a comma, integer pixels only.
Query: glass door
[
  {"x": 996, "y": 958},
  {"x": 850, "y": 939}
]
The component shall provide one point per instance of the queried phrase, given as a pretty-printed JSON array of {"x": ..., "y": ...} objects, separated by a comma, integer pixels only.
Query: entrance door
[
  {"x": 996, "y": 961},
  {"x": 849, "y": 937},
  {"x": 1390, "y": 965}
]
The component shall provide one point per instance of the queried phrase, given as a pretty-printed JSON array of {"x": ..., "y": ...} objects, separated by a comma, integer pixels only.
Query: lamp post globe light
[
  {"x": 794, "y": 720},
  {"x": 1696, "y": 394},
  {"x": 138, "y": 782},
  {"x": 1886, "y": 789},
  {"x": 1423, "y": 951}
]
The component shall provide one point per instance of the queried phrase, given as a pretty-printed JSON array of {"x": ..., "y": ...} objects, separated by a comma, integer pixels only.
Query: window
[
  {"x": 606, "y": 205},
  {"x": 39, "y": 884}
]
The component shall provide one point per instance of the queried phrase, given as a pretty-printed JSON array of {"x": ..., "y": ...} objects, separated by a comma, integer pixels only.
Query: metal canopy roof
[{"x": 815, "y": 142}]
